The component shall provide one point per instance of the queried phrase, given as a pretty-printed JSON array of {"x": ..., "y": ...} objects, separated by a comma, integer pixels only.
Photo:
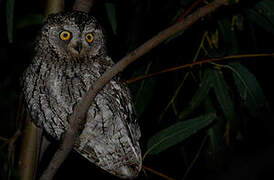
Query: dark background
[{"x": 246, "y": 152}]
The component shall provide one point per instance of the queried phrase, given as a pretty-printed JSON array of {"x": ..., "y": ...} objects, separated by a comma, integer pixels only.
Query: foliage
[
  {"x": 177, "y": 132},
  {"x": 223, "y": 100}
]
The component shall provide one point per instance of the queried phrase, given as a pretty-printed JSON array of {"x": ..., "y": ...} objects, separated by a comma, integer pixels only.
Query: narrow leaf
[
  {"x": 248, "y": 87},
  {"x": 174, "y": 36},
  {"x": 228, "y": 35},
  {"x": 214, "y": 132},
  {"x": 111, "y": 13},
  {"x": 262, "y": 14},
  {"x": 142, "y": 90},
  {"x": 200, "y": 94},
  {"x": 144, "y": 96},
  {"x": 9, "y": 14},
  {"x": 260, "y": 20},
  {"x": 29, "y": 20},
  {"x": 223, "y": 97},
  {"x": 177, "y": 132}
]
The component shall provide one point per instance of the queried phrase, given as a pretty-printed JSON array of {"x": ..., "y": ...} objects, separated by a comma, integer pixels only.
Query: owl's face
[{"x": 73, "y": 35}]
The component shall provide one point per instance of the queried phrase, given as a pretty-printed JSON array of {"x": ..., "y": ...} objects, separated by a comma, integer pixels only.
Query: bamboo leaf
[
  {"x": 228, "y": 35},
  {"x": 248, "y": 87},
  {"x": 200, "y": 94},
  {"x": 262, "y": 14},
  {"x": 111, "y": 13},
  {"x": 260, "y": 20},
  {"x": 143, "y": 90},
  {"x": 223, "y": 97},
  {"x": 31, "y": 19},
  {"x": 177, "y": 132},
  {"x": 144, "y": 96},
  {"x": 214, "y": 132},
  {"x": 174, "y": 36},
  {"x": 9, "y": 14}
]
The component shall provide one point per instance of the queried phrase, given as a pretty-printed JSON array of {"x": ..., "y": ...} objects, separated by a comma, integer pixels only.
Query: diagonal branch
[{"x": 77, "y": 119}]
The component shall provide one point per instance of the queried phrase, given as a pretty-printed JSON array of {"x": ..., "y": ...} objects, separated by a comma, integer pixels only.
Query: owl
[{"x": 69, "y": 57}]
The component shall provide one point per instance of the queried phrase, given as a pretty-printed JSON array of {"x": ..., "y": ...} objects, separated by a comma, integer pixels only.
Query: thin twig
[
  {"x": 172, "y": 100},
  {"x": 197, "y": 63},
  {"x": 196, "y": 157},
  {"x": 189, "y": 9},
  {"x": 11, "y": 140},
  {"x": 78, "y": 117},
  {"x": 157, "y": 173}
]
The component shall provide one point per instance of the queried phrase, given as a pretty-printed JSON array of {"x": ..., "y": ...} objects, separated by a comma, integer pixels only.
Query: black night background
[{"x": 211, "y": 120}]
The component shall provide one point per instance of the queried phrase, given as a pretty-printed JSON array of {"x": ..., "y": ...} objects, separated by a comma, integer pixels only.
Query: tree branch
[
  {"x": 30, "y": 146},
  {"x": 54, "y": 6},
  {"x": 29, "y": 149},
  {"x": 77, "y": 119},
  {"x": 83, "y": 5}
]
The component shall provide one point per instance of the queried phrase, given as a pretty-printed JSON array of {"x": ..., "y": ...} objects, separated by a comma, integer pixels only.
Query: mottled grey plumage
[{"x": 61, "y": 72}]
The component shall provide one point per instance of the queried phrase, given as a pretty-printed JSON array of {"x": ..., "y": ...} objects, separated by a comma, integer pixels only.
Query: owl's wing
[
  {"x": 111, "y": 134},
  {"x": 30, "y": 83}
]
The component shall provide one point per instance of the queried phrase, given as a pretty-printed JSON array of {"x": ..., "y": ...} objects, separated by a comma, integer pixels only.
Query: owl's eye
[
  {"x": 65, "y": 35},
  {"x": 89, "y": 37}
]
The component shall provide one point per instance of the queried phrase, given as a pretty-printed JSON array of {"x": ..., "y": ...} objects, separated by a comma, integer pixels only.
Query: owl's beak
[{"x": 78, "y": 47}]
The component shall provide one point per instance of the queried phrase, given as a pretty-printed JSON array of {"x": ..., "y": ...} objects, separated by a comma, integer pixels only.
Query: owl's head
[{"x": 73, "y": 35}]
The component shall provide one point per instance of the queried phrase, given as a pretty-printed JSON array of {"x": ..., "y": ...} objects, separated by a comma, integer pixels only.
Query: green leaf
[
  {"x": 143, "y": 90},
  {"x": 228, "y": 36},
  {"x": 262, "y": 14},
  {"x": 248, "y": 87},
  {"x": 9, "y": 14},
  {"x": 215, "y": 131},
  {"x": 260, "y": 20},
  {"x": 200, "y": 94},
  {"x": 177, "y": 132},
  {"x": 111, "y": 13},
  {"x": 29, "y": 20},
  {"x": 223, "y": 97},
  {"x": 174, "y": 36},
  {"x": 143, "y": 97}
]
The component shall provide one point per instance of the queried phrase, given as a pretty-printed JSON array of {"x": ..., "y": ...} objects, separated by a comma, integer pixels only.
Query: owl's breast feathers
[{"x": 110, "y": 136}]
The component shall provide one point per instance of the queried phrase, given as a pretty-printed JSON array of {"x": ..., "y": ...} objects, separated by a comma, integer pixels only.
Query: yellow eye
[
  {"x": 89, "y": 37},
  {"x": 65, "y": 35}
]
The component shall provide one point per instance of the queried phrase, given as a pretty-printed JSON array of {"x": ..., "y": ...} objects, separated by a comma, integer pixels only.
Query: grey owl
[{"x": 70, "y": 57}]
